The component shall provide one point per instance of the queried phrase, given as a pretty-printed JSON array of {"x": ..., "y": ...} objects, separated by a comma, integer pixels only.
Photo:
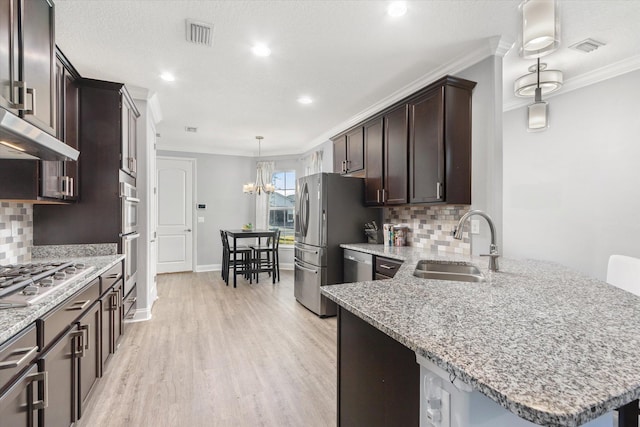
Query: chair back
[
  {"x": 277, "y": 237},
  {"x": 624, "y": 272},
  {"x": 225, "y": 241}
]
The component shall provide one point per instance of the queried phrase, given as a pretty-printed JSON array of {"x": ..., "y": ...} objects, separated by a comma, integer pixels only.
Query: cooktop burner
[{"x": 26, "y": 284}]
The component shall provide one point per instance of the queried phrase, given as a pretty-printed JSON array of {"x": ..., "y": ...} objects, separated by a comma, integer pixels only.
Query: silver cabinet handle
[
  {"x": 71, "y": 192},
  {"x": 78, "y": 345},
  {"x": 438, "y": 190},
  {"x": 44, "y": 377},
  {"x": 130, "y": 236},
  {"x": 378, "y": 195},
  {"x": 132, "y": 300},
  {"x": 78, "y": 305},
  {"x": 11, "y": 59},
  {"x": 350, "y": 258},
  {"x": 31, "y": 91},
  {"x": 384, "y": 195},
  {"x": 131, "y": 199},
  {"x": 87, "y": 330},
  {"x": 386, "y": 267},
  {"x": 27, "y": 354},
  {"x": 112, "y": 276},
  {"x": 306, "y": 269}
]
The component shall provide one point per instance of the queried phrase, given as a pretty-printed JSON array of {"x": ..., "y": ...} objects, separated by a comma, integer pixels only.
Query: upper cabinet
[
  {"x": 440, "y": 143},
  {"x": 128, "y": 159},
  {"x": 419, "y": 150},
  {"x": 27, "y": 58},
  {"x": 348, "y": 152}
]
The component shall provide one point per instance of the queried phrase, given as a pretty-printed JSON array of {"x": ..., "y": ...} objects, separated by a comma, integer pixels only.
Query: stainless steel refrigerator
[{"x": 329, "y": 211}]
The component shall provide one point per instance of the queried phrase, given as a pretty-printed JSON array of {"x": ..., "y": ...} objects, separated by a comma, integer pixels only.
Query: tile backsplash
[
  {"x": 431, "y": 227},
  {"x": 16, "y": 232}
]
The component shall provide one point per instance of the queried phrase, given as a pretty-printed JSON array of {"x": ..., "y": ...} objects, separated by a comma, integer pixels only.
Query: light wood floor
[{"x": 217, "y": 356}]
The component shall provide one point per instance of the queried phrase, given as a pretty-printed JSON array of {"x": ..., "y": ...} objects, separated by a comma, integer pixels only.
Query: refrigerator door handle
[
  {"x": 305, "y": 215},
  {"x": 298, "y": 265}
]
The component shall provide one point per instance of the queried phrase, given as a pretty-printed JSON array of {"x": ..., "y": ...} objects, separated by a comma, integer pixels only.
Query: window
[{"x": 282, "y": 205}]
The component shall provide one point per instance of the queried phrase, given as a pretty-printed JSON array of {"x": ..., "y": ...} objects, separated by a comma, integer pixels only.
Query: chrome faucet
[{"x": 493, "y": 248}]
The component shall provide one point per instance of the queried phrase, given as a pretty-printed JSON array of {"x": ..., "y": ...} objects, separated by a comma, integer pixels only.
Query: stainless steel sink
[{"x": 447, "y": 271}]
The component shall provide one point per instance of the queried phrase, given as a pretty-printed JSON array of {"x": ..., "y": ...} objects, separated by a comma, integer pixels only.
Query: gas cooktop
[{"x": 26, "y": 284}]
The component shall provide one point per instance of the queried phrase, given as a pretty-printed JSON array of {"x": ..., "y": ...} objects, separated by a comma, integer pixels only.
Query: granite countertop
[
  {"x": 13, "y": 320},
  {"x": 549, "y": 344}
]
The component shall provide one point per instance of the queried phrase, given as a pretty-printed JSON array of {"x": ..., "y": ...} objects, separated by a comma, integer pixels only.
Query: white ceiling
[{"x": 347, "y": 55}]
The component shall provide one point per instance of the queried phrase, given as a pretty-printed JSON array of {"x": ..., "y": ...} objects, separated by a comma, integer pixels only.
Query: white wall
[
  {"x": 486, "y": 154},
  {"x": 572, "y": 192},
  {"x": 218, "y": 182}
]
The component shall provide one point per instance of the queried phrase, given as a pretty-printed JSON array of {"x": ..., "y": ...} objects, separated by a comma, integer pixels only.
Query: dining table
[{"x": 251, "y": 234}]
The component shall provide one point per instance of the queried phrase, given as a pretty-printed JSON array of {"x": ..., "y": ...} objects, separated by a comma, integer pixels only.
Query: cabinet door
[
  {"x": 355, "y": 150},
  {"x": 426, "y": 146},
  {"x": 373, "y": 149},
  {"x": 37, "y": 74},
  {"x": 133, "y": 148},
  {"x": 124, "y": 148},
  {"x": 396, "y": 154},
  {"x": 340, "y": 154},
  {"x": 89, "y": 362},
  {"x": 8, "y": 53},
  {"x": 18, "y": 406},
  {"x": 60, "y": 363}
]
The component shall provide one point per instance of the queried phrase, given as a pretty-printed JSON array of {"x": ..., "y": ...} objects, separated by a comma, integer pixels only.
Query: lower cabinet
[
  {"x": 20, "y": 401},
  {"x": 89, "y": 359},
  {"x": 112, "y": 322},
  {"x": 378, "y": 378},
  {"x": 60, "y": 363}
]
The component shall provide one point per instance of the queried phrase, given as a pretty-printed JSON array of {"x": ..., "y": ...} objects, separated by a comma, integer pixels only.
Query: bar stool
[
  {"x": 242, "y": 265},
  {"x": 272, "y": 261}
]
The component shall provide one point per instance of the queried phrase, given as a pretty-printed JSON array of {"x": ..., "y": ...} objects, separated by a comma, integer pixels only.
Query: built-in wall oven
[{"x": 129, "y": 203}]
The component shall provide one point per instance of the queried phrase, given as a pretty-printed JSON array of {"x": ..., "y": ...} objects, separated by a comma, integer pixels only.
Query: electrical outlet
[
  {"x": 475, "y": 226},
  {"x": 200, "y": 219},
  {"x": 15, "y": 226}
]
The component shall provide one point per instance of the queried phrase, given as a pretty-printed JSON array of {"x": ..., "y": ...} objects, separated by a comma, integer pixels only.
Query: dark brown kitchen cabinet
[
  {"x": 27, "y": 46},
  {"x": 21, "y": 399},
  {"x": 395, "y": 189},
  {"x": 378, "y": 378},
  {"x": 386, "y": 268},
  {"x": 98, "y": 217},
  {"x": 386, "y": 155},
  {"x": 89, "y": 357},
  {"x": 348, "y": 152},
  {"x": 60, "y": 363},
  {"x": 112, "y": 321},
  {"x": 374, "y": 159},
  {"x": 128, "y": 158},
  {"x": 440, "y": 143}
]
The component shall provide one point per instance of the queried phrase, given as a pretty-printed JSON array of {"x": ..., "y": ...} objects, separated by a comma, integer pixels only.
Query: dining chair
[
  {"x": 624, "y": 273},
  {"x": 272, "y": 260},
  {"x": 242, "y": 265}
]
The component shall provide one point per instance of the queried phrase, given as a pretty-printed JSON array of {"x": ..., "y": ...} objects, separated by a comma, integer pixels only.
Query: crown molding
[
  {"x": 204, "y": 149},
  {"x": 497, "y": 45},
  {"x": 586, "y": 79}
]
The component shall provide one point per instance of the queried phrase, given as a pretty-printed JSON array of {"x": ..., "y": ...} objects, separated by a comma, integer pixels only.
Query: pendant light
[
  {"x": 538, "y": 112},
  {"x": 259, "y": 186},
  {"x": 548, "y": 80},
  {"x": 540, "y": 28}
]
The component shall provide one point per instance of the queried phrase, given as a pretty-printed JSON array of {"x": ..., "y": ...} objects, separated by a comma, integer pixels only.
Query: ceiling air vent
[
  {"x": 587, "y": 46},
  {"x": 199, "y": 32},
  {"x": 191, "y": 129}
]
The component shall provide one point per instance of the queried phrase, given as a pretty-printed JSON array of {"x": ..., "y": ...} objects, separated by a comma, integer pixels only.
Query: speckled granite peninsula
[
  {"x": 13, "y": 320},
  {"x": 549, "y": 344}
]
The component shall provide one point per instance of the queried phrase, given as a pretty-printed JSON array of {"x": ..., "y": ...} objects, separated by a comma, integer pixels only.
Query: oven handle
[{"x": 130, "y": 236}]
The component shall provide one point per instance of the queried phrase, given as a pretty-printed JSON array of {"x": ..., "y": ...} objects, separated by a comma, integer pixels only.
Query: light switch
[{"x": 200, "y": 219}]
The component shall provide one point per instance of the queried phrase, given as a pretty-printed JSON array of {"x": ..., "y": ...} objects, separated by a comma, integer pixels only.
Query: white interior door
[{"x": 175, "y": 216}]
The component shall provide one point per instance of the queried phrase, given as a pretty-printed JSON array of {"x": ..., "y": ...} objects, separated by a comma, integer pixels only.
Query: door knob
[{"x": 188, "y": 230}]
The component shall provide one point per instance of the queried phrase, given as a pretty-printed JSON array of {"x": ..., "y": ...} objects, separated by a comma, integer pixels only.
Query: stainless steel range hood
[{"x": 19, "y": 139}]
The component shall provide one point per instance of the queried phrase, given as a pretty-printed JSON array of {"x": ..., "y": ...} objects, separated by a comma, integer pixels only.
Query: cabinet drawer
[
  {"x": 56, "y": 321},
  {"x": 387, "y": 267},
  {"x": 16, "y": 353},
  {"x": 130, "y": 303},
  {"x": 110, "y": 277},
  {"x": 379, "y": 276}
]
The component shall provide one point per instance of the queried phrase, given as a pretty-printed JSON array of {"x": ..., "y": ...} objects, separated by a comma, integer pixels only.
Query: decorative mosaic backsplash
[
  {"x": 16, "y": 232},
  {"x": 431, "y": 227}
]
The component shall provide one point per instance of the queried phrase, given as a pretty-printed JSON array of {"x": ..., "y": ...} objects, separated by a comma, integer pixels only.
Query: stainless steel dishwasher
[{"x": 358, "y": 266}]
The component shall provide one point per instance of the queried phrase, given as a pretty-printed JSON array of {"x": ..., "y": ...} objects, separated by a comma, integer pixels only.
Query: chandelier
[{"x": 259, "y": 186}]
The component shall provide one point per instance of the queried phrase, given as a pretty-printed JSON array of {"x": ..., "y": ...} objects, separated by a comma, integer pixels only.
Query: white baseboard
[
  {"x": 208, "y": 267},
  {"x": 140, "y": 315}
]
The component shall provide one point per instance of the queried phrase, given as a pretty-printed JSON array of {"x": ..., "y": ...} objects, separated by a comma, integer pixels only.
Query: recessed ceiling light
[
  {"x": 305, "y": 100},
  {"x": 397, "y": 8},
  {"x": 167, "y": 77},
  {"x": 261, "y": 50}
]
